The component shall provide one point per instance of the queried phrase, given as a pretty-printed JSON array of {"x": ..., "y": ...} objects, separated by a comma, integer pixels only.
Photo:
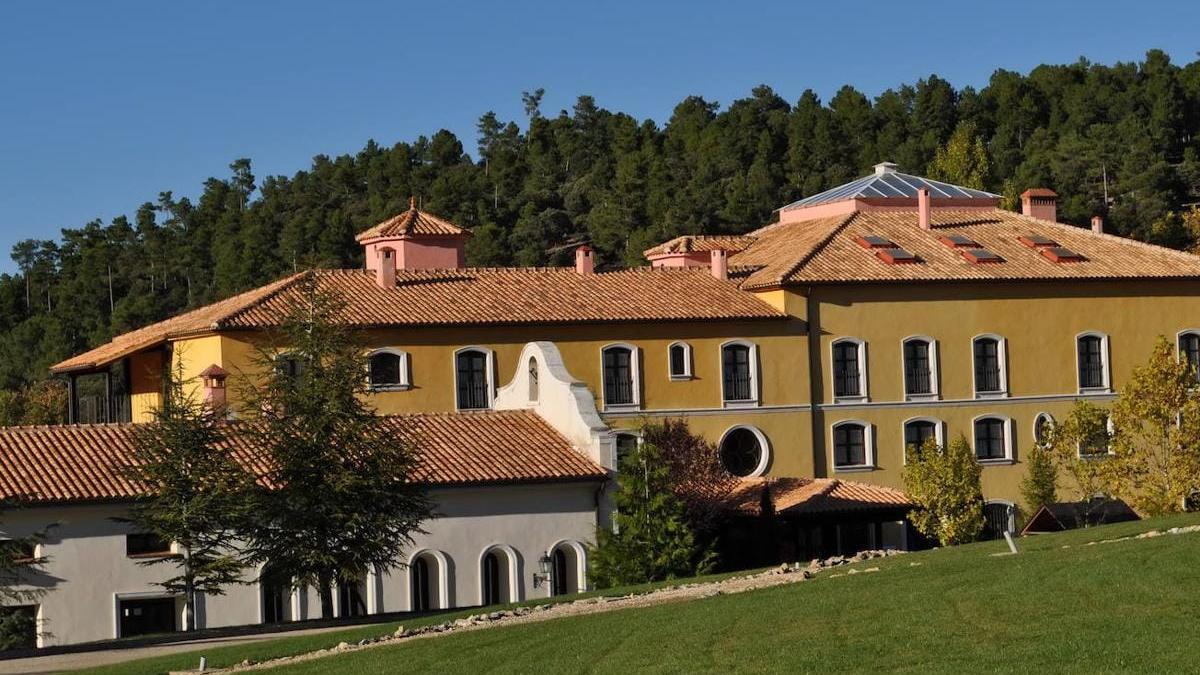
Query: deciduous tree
[{"x": 944, "y": 485}]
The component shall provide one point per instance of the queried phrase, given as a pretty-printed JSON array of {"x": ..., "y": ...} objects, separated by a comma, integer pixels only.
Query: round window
[{"x": 741, "y": 452}]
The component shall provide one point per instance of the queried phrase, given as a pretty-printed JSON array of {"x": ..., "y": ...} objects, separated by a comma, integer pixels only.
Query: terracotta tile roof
[
  {"x": 53, "y": 464},
  {"x": 694, "y": 243},
  {"x": 809, "y": 496},
  {"x": 472, "y": 296},
  {"x": 827, "y": 251},
  {"x": 197, "y": 320},
  {"x": 520, "y": 295},
  {"x": 413, "y": 221}
]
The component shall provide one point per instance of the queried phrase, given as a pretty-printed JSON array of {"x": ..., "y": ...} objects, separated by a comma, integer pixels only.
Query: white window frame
[
  {"x": 404, "y": 384},
  {"x": 868, "y": 443},
  {"x": 764, "y": 445},
  {"x": 1009, "y": 455},
  {"x": 687, "y": 361},
  {"x": 617, "y": 433},
  {"x": 1002, "y": 355},
  {"x": 755, "y": 396},
  {"x": 1178, "y": 341},
  {"x": 939, "y": 433},
  {"x": 934, "y": 376},
  {"x": 1053, "y": 424},
  {"x": 443, "y": 577},
  {"x": 1109, "y": 428},
  {"x": 863, "y": 380},
  {"x": 489, "y": 370},
  {"x": 1105, "y": 363},
  {"x": 635, "y": 373},
  {"x": 511, "y": 574}
]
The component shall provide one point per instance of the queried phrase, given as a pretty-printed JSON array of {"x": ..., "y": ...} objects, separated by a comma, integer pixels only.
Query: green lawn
[
  {"x": 263, "y": 650},
  {"x": 1124, "y": 606}
]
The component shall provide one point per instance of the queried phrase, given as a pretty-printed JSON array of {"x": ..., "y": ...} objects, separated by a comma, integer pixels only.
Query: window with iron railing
[
  {"x": 738, "y": 383},
  {"x": 989, "y": 377},
  {"x": 847, "y": 374},
  {"x": 618, "y": 376},
  {"x": 473, "y": 381},
  {"x": 918, "y": 373},
  {"x": 1091, "y": 362},
  {"x": 849, "y": 445}
]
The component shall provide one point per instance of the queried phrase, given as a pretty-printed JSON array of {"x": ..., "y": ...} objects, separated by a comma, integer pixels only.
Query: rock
[
  {"x": 494, "y": 616},
  {"x": 783, "y": 569},
  {"x": 343, "y": 646},
  {"x": 851, "y": 571},
  {"x": 462, "y": 623},
  {"x": 399, "y": 632},
  {"x": 808, "y": 574}
]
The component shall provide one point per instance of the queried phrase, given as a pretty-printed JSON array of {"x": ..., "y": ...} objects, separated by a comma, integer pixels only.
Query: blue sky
[{"x": 104, "y": 104}]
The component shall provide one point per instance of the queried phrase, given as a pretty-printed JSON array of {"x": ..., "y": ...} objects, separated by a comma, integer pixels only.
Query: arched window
[
  {"x": 919, "y": 431},
  {"x": 421, "y": 591},
  {"x": 999, "y": 517},
  {"x": 991, "y": 377},
  {"x": 388, "y": 369},
  {"x": 920, "y": 369},
  {"x": 352, "y": 596},
  {"x": 428, "y": 581},
  {"x": 849, "y": 370},
  {"x": 1043, "y": 427},
  {"x": 992, "y": 442},
  {"x": 567, "y": 569},
  {"x": 473, "y": 378},
  {"x": 1091, "y": 350},
  {"x": 619, "y": 364},
  {"x": 679, "y": 361},
  {"x": 534, "y": 386},
  {"x": 739, "y": 373},
  {"x": 852, "y": 446},
  {"x": 1189, "y": 350},
  {"x": 744, "y": 451}
]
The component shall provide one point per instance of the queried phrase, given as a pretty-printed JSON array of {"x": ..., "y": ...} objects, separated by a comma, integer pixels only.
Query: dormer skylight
[
  {"x": 1061, "y": 254},
  {"x": 870, "y": 241},
  {"x": 958, "y": 241},
  {"x": 896, "y": 256},
  {"x": 1037, "y": 241},
  {"x": 980, "y": 256}
]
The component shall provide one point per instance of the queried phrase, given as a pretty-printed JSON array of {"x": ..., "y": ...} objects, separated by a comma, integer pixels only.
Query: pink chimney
[
  {"x": 212, "y": 380},
  {"x": 1098, "y": 224},
  {"x": 720, "y": 263},
  {"x": 923, "y": 208},
  {"x": 1040, "y": 203},
  {"x": 385, "y": 267},
  {"x": 585, "y": 262}
]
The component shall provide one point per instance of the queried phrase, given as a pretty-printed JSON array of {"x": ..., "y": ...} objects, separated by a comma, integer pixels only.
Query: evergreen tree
[
  {"x": 196, "y": 494},
  {"x": 652, "y": 539},
  {"x": 340, "y": 496},
  {"x": 944, "y": 485}
]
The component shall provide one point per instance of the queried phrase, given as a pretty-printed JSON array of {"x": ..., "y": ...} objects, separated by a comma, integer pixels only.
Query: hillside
[
  {"x": 1125, "y": 605},
  {"x": 1062, "y": 604}
]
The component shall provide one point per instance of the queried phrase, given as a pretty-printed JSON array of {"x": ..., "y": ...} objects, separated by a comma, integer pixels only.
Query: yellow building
[{"x": 871, "y": 316}]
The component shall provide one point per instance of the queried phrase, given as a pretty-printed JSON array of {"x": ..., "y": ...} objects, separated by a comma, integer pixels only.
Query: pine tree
[
  {"x": 196, "y": 494},
  {"x": 341, "y": 498},
  {"x": 652, "y": 539},
  {"x": 944, "y": 486}
]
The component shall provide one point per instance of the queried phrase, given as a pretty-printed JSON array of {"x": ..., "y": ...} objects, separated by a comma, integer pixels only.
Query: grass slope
[{"x": 1124, "y": 606}]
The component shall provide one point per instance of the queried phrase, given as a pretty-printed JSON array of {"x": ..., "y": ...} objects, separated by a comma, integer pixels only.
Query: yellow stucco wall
[
  {"x": 1039, "y": 321},
  {"x": 145, "y": 384}
]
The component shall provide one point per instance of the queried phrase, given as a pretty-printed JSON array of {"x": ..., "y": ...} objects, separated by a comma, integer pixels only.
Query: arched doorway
[
  {"x": 566, "y": 569},
  {"x": 498, "y": 579},
  {"x": 428, "y": 581},
  {"x": 275, "y": 595}
]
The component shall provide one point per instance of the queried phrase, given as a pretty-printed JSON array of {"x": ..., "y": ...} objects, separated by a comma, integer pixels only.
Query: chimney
[
  {"x": 720, "y": 264},
  {"x": 1040, "y": 203},
  {"x": 1097, "y": 225},
  {"x": 923, "y": 208},
  {"x": 213, "y": 380},
  {"x": 385, "y": 270},
  {"x": 584, "y": 262}
]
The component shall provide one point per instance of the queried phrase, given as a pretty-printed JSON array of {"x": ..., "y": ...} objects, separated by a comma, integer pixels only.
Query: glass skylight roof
[
  {"x": 958, "y": 241},
  {"x": 887, "y": 182},
  {"x": 1061, "y": 254},
  {"x": 981, "y": 255}
]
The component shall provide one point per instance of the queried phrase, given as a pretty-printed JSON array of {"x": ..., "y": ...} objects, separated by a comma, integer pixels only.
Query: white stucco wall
[{"x": 87, "y": 568}]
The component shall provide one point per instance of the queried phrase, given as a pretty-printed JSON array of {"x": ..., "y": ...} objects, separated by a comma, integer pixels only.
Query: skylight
[
  {"x": 981, "y": 255},
  {"x": 1060, "y": 254},
  {"x": 871, "y": 241},
  {"x": 896, "y": 256},
  {"x": 958, "y": 241},
  {"x": 1037, "y": 241}
]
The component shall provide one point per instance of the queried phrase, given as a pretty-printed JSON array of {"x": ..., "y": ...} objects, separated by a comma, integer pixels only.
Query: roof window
[
  {"x": 896, "y": 256},
  {"x": 981, "y": 255},
  {"x": 1060, "y": 254},
  {"x": 1037, "y": 241},
  {"x": 958, "y": 241},
  {"x": 871, "y": 242}
]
